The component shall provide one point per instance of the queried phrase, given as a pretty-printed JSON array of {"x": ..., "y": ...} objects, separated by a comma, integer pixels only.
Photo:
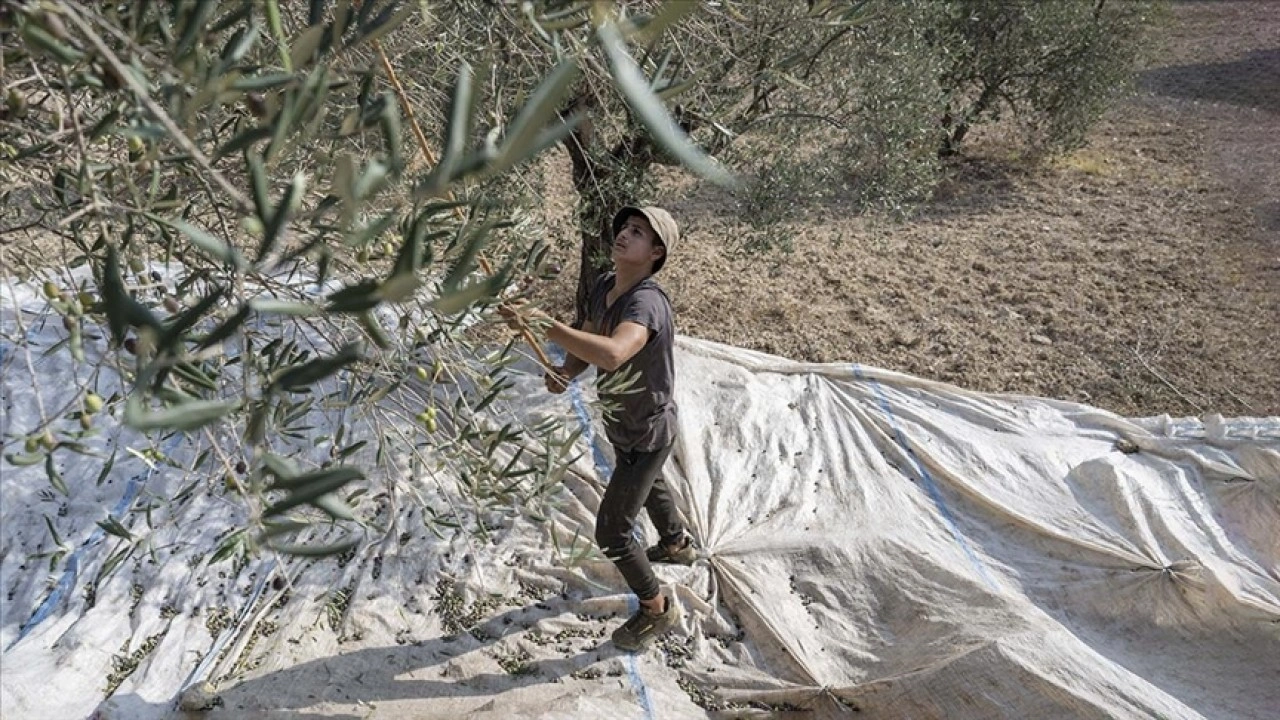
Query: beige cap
[{"x": 662, "y": 223}]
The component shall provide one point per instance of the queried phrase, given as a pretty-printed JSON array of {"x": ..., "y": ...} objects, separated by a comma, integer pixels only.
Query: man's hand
[
  {"x": 519, "y": 315},
  {"x": 557, "y": 379},
  {"x": 510, "y": 312}
]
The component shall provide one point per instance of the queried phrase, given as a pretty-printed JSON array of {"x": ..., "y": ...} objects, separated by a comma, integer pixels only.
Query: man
[{"x": 629, "y": 329}]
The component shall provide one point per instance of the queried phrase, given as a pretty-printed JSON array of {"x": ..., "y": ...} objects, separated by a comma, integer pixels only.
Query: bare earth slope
[{"x": 1140, "y": 274}]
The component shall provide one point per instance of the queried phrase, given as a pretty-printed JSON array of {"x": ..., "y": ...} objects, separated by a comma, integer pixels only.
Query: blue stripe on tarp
[
  {"x": 66, "y": 582},
  {"x": 633, "y": 669},
  {"x": 605, "y": 470},
  {"x": 930, "y": 485},
  {"x": 68, "y": 579}
]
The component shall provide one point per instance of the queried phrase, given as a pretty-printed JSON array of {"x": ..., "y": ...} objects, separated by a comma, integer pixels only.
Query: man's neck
[{"x": 627, "y": 278}]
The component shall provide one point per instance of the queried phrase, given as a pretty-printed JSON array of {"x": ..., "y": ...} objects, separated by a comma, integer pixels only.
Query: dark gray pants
[{"x": 636, "y": 483}]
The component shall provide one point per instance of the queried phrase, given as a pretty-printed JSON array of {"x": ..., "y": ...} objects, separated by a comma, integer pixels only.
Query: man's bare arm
[
  {"x": 574, "y": 365},
  {"x": 607, "y": 352}
]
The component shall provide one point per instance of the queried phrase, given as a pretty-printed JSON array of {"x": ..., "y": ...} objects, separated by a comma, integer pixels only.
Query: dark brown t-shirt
[{"x": 644, "y": 417}]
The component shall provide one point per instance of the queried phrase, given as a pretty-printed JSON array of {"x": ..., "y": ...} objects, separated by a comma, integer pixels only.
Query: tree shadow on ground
[
  {"x": 977, "y": 185},
  {"x": 970, "y": 184},
  {"x": 419, "y": 670},
  {"x": 1269, "y": 216},
  {"x": 1251, "y": 82}
]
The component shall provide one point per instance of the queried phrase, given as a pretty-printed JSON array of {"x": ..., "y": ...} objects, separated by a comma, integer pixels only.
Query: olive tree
[
  {"x": 328, "y": 259},
  {"x": 809, "y": 103},
  {"x": 723, "y": 69},
  {"x": 1054, "y": 65},
  {"x": 341, "y": 183}
]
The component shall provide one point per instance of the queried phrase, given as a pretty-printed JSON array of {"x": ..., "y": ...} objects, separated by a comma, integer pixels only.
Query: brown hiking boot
[
  {"x": 645, "y": 625},
  {"x": 682, "y": 553}
]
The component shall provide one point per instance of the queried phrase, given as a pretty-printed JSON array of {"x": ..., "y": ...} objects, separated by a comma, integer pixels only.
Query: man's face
[{"x": 636, "y": 243}]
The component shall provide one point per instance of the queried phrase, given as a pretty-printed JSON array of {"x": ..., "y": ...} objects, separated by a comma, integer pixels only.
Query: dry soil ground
[{"x": 1140, "y": 274}]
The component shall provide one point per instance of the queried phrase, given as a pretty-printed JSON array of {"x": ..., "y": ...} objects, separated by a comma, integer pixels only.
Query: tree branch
[
  {"x": 803, "y": 115},
  {"x": 579, "y": 140},
  {"x": 73, "y": 11},
  {"x": 813, "y": 61}
]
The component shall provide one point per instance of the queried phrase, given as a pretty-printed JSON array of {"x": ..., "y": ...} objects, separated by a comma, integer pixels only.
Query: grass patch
[{"x": 1086, "y": 161}]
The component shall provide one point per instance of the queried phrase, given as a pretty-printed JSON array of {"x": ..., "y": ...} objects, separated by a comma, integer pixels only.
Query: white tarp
[{"x": 871, "y": 541}]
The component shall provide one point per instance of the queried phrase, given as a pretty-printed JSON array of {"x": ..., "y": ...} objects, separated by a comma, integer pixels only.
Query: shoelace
[
  {"x": 644, "y": 618},
  {"x": 670, "y": 551},
  {"x": 638, "y": 622}
]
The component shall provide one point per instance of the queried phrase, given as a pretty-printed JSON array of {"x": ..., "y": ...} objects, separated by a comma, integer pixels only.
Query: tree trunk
[
  {"x": 958, "y": 129},
  {"x": 597, "y": 240},
  {"x": 605, "y": 181}
]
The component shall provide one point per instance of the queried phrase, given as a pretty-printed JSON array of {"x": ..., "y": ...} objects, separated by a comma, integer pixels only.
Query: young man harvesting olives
[{"x": 629, "y": 329}]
